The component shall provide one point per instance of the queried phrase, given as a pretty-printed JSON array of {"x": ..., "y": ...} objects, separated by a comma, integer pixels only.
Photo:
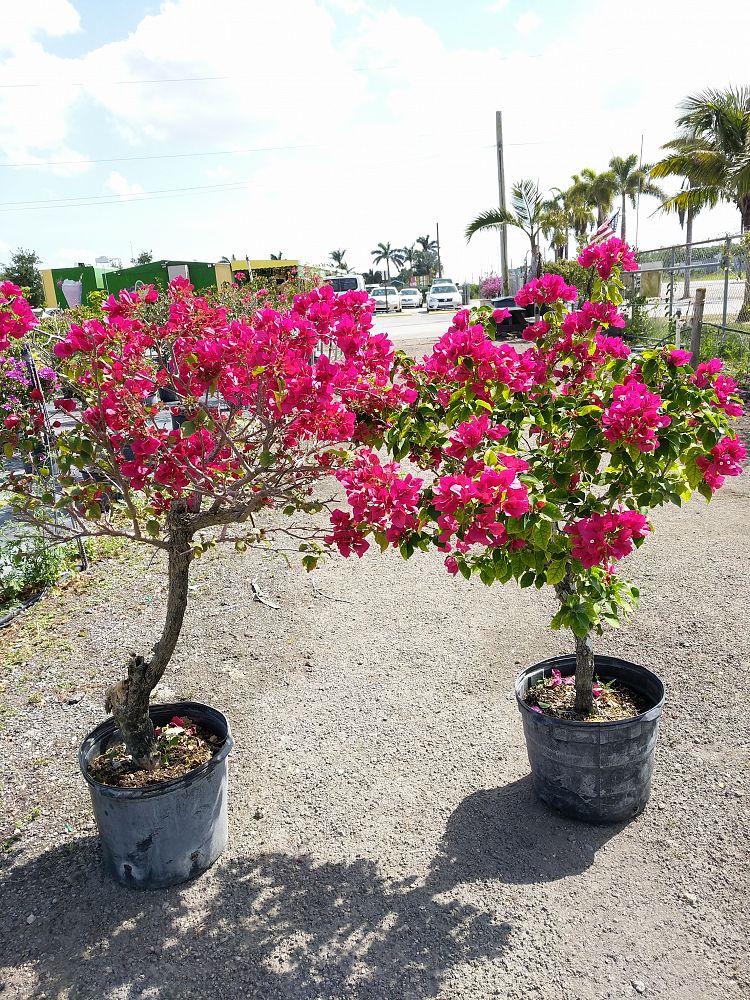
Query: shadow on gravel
[
  {"x": 509, "y": 835},
  {"x": 266, "y": 927}
]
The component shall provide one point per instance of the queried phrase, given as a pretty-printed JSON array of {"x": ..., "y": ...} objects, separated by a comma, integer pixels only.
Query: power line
[
  {"x": 104, "y": 199},
  {"x": 158, "y": 156},
  {"x": 222, "y": 152}
]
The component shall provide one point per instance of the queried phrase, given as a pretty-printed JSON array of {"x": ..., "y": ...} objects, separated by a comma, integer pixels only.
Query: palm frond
[{"x": 493, "y": 218}]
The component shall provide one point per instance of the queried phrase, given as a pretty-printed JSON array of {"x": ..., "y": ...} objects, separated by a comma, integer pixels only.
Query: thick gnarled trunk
[
  {"x": 128, "y": 700},
  {"x": 584, "y": 702}
]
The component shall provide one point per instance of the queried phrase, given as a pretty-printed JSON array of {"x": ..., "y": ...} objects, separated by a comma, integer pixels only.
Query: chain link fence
[{"x": 662, "y": 296}]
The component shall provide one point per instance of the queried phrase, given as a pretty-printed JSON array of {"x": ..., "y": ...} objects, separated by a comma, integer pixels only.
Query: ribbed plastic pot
[
  {"x": 599, "y": 772},
  {"x": 167, "y": 833}
]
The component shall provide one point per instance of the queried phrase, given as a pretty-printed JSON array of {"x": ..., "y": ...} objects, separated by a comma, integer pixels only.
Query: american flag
[{"x": 608, "y": 228}]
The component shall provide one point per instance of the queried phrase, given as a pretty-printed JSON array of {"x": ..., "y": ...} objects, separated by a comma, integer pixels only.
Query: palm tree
[
  {"x": 631, "y": 181},
  {"x": 685, "y": 213},
  {"x": 384, "y": 253},
  {"x": 337, "y": 257},
  {"x": 595, "y": 190},
  {"x": 277, "y": 256},
  {"x": 712, "y": 151},
  {"x": 427, "y": 244},
  {"x": 527, "y": 214},
  {"x": 581, "y": 213},
  {"x": 409, "y": 253},
  {"x": 560, "y": 214}
]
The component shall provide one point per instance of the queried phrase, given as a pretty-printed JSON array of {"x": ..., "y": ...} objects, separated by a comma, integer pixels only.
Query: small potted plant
[
  {"x": 265, "y": 419},
  {"x": 542, "y": 467}
]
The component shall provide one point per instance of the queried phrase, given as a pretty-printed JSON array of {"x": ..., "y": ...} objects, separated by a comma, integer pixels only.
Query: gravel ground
[{"x": 385, "y": 843}]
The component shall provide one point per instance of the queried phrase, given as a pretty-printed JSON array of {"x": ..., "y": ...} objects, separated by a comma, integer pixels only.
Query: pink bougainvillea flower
[
  {"x": 633, "y": 416},
  {"x": 606, "y": 256},
  {"x": 705, "y": 372},
  {"x": 68, "y": 405},
  {"x": 536, "y": 708},
  {"x": 546, "y": 290},
  {"x": 599, "y": 539},
  {"x": 724, "y": 387},
  {"x": 499, "y": 315},
  {"x": 555, "y": 679},
  {"x": 596, "y": 690},
  {"x": 724, "y": 460},
  {"x": 679, "y": 358}
]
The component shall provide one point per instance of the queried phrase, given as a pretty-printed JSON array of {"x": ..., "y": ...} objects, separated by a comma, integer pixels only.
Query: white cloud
[
  {"x": 71, "y": 256},
  {"x": 398, "y": 136},
  {"x": 118, "y": 184},
  {"x": 528, "y": 22},
  {"x": 497, "y": 6},
  {"x": 39, "y": 17}
]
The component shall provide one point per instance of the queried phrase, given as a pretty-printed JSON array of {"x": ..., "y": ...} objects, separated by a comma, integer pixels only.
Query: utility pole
[
  {"x": 437, "y": 240},
  {"x": 501, "y": 189}
]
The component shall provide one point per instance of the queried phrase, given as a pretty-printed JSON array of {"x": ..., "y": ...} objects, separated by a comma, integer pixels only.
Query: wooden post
[{"x": 695, "y": 336}]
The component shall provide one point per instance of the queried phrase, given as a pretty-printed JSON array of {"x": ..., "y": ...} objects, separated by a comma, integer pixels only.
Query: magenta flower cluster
[
  {"x": 608, "y": 255},
  {"x": 725, "y": 460},
  {"x": 546, "y": 290},
  {"x": 633, "y": 417},
  {"x": 600, "y": 539}
]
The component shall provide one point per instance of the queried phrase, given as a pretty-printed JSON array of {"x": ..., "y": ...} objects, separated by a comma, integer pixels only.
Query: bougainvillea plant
[
  {"x": 491, "y": 286},
  {"x": 542, "y": 465},
  {"x": 270, "y": 403}
]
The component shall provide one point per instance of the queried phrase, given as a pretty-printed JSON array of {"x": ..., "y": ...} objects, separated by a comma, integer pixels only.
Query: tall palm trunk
[
  {"x": 688, "y": 250},
  {"x": 623, "y": 227}
]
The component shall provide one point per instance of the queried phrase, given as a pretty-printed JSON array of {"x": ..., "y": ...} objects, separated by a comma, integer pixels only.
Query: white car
[
  {"x": 386, "y": 298},
  {"x": 411, "y": 298},
  {"x": 345, "y": 283},
  {"x": 443, "y": 295}
]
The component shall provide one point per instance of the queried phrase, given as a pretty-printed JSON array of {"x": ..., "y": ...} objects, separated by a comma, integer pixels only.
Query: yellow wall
[
  {"x": 223, "y": 274},
  {"x": 50, "y": 299}
]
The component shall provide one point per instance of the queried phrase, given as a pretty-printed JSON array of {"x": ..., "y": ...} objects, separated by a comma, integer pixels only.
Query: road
[{"x": 414, "y": 330}]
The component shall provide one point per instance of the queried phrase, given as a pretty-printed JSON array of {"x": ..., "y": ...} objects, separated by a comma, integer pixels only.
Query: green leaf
[
  {"x": 464, "y": 570},
  {"x": 153, "y": 527},
  {"x": 580, "y": 439},
  {"x": 543, "y": 534},
  {"x": 556, "y": 572},
  {"x": 266, "y": 459},
  {"x": 188, "y": 428}
]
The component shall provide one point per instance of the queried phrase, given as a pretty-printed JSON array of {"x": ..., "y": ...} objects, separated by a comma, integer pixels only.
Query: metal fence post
[
  {"x": 727, "y": 258},
  {"x": 672, "y": 259},
  {"x": 695, "y": 333}
]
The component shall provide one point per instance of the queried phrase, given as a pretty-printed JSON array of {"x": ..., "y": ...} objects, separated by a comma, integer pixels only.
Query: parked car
[
  {"x": 346, "y": 282},
  {"x": 411, "y": 298},
  {"x": 519, "y": 319},
  {"x": 443, "y": 294},
  {"x": 386, "y": 298}
]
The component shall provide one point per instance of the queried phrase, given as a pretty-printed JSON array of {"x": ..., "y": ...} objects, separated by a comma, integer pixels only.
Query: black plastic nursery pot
[
  {"x": 168, "y": 833},
  {"x": 599, "y": 772}
]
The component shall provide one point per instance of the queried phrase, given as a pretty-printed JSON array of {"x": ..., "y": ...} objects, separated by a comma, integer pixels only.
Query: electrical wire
[{"x": 218, "y": 152}]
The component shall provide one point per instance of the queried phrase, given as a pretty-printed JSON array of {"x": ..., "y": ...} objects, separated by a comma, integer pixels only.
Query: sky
[{"x": 197, "y": 130}]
